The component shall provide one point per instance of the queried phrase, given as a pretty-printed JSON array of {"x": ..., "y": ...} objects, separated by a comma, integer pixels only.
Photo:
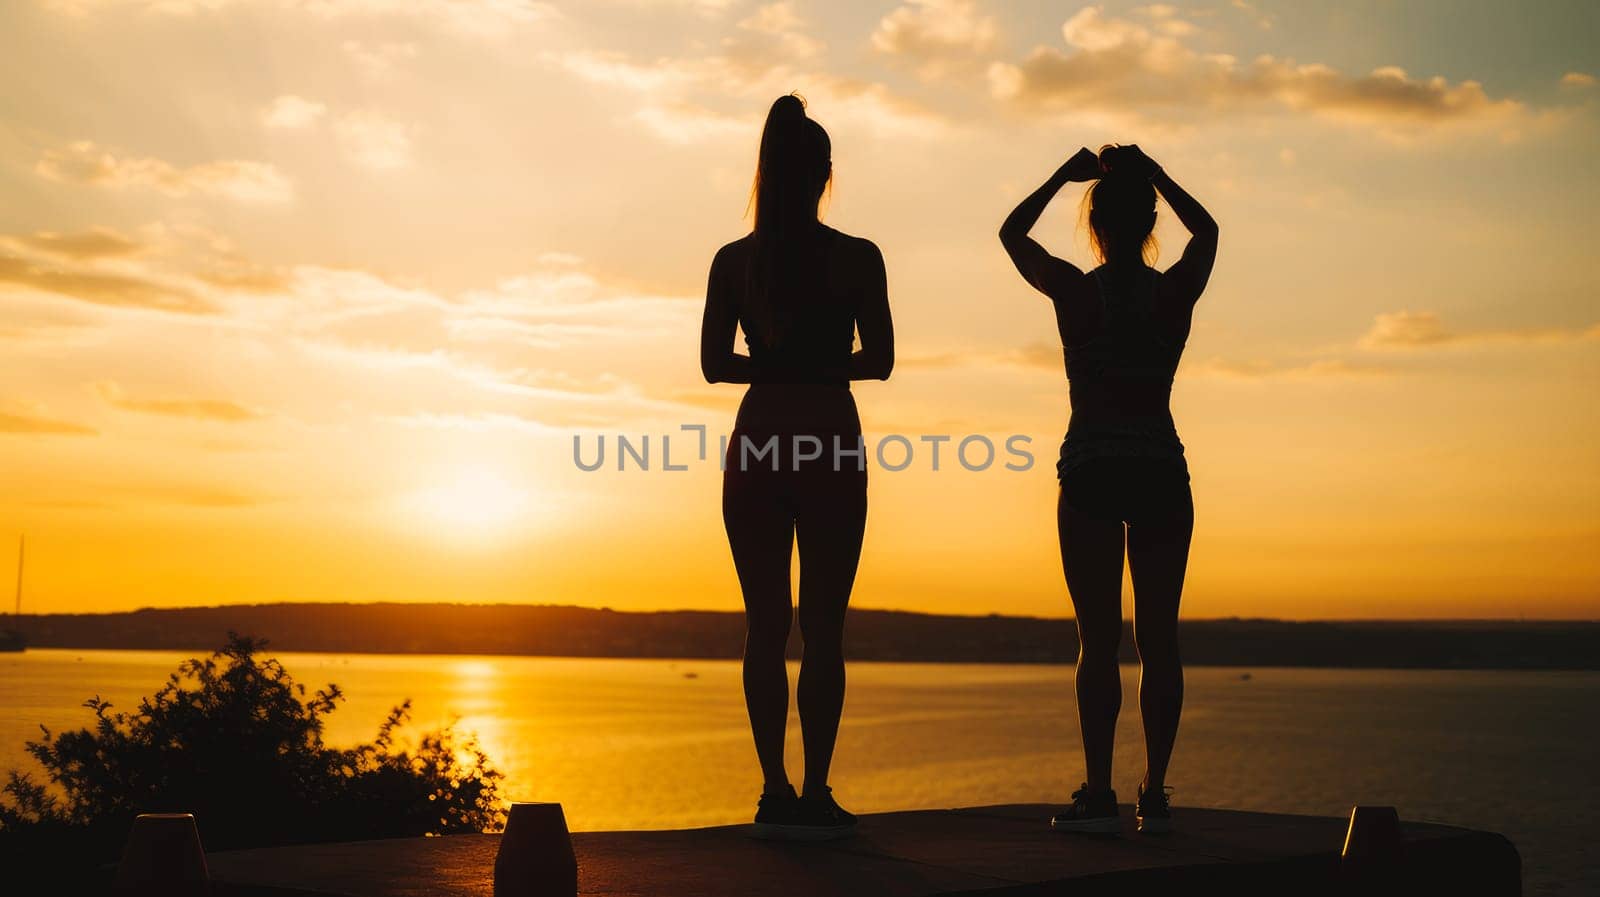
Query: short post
[
  {"x": 535, "y": 857},
  {"x": 163, "y": 858},
  {"x": 1374, "y": 835}
]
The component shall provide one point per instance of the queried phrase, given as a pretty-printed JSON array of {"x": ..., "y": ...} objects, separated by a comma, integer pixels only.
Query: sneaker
[
  {"x": 1091, "y": 812},
  {"x": 821, "y": 809},
  {"x": 1153, "y": 813},
  {"x": 788, "y": 817}
]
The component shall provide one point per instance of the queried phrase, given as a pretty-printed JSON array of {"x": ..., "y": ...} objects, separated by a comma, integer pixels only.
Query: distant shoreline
[
  {"x": 1246, "y": 669},
  {"x": 873, "y": 635}
]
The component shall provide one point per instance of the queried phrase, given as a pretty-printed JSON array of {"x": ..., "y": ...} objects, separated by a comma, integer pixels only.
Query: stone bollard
[
  {"x": 163, "y": 858},
  {"x": 1374, "y": 835},
  {"x": 535, "y": 858}
]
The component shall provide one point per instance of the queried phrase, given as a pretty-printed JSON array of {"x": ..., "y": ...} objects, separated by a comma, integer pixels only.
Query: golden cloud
[
  {"x": 1033, "y": 356},
  {"x": 96, "y": 243},
  {"x": 194, "y": 409},
  {"x": 934, "y": 33},
  {"x": 475, "y": 18},
  {"x": 85, "y": 163},
  {"x": 1425, "y": 329},
  {"x": 1260, "y": 369},
  {"x": 22, "y": 424},
  {"x": 291, "y": 112},
  {"x": 107, "y": 288},
  {"x": 687, "y": 98},
  {"x": 374, "y": 141},
  {"x": 1114, "y": 64}
]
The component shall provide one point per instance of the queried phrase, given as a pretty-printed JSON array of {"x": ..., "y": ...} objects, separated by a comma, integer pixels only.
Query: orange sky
[{"x": 308, "y": 300}]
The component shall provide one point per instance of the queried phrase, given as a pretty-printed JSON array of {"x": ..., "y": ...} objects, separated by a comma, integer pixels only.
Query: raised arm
[
  {"x": 718, "y": 362},
  {"x": 1044, "y": 272},
  {"x": 875, "y": 359},
  {"x": 1191, "y": 271}
]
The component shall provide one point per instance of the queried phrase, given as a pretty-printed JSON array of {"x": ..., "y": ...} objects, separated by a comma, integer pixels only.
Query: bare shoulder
[
  {"x": 731, "y": 258},
  {"x": 1063, "y": 281},
  {"x": 736, "y": 250},
  {"x": 856, "y": 253},
  {"x": 1171, "y": 286}
]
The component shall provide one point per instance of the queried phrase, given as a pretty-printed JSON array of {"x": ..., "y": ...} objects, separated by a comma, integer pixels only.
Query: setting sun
[{"x": 473, "y": 502}]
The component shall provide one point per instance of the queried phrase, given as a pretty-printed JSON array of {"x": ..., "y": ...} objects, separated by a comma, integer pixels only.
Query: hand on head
[
  {"x": 1083, "y": 166},
  {"x": 1129, "y": 160},
  {"x": 1086, "y": 165}
]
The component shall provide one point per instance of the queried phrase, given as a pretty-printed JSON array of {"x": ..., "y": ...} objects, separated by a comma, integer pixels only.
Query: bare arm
[
  {"x": 875, "y": 359},
  {"x": 1193, "y": 270},
  {"x": 1038, "y": 267},
  {"x": 718, "y": 362}
]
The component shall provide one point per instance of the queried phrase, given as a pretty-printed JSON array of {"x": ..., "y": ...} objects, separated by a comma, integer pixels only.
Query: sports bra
[
  {"x": 1120, "y": 380},
  {"x": 820, "y": 333},
  {"x": 1127, "y": 346}
]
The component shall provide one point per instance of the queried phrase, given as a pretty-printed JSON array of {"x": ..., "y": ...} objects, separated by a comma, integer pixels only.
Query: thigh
[
  {"x": 1091, "y": 558},
  {"x": 830, "y": 523},
  {"x": 760, "y": 525},
  {"x": 1158, "y": 553}
]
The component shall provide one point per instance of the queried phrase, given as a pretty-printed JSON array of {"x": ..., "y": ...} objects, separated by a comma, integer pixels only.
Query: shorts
[
  {"x": 1129, "y": 490},
  {"x": 782, "y": 475}
]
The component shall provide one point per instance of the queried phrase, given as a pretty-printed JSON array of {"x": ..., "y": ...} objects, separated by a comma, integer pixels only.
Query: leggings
[{"x": 766, "y": 511}]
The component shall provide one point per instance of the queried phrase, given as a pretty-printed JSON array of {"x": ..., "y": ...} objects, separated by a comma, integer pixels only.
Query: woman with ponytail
[
  {"x": 796, "y": 464},
  {"x": 1124, "y": 478}
]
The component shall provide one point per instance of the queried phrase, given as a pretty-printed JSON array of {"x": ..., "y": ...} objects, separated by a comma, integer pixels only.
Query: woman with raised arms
[{"x": 1124, "y": 478}]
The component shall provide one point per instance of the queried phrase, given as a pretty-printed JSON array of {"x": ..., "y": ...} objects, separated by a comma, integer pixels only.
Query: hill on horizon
[{"x": 877, "y": 635}]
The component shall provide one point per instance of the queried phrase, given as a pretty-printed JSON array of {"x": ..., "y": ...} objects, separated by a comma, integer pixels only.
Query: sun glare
[{"x": 474, "y": 502}]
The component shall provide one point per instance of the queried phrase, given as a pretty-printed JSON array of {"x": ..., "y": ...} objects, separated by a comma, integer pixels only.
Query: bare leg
[
  {"x": 761, "y": 534},
  {"x": 830, "y": 529},
  {"x": 1091, "y": 558},
  {"x": 1158, "y": 553}
]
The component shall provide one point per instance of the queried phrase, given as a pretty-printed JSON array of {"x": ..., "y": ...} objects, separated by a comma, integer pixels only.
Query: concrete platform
[{"x": 1000, "y": 851}]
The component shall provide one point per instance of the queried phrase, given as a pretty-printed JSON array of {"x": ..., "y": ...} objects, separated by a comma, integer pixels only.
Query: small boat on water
[{"x": 11, "y": 638}]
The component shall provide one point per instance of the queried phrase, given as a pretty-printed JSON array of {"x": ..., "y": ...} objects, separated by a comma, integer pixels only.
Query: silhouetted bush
[{"x": 235, "y": 740}]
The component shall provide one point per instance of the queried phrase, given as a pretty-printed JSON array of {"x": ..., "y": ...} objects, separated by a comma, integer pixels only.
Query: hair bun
[
  {"x": 1113, "y": 157},
  {"x": 789, "y": 107}
]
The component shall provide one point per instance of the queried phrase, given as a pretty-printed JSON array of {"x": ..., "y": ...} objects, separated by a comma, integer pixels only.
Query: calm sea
[{"x": 627, "y": 744}]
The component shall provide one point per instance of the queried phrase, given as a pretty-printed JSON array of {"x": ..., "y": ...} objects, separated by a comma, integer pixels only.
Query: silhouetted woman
[
  {"x": 795, "y": 468},
  {"x": 1124, "y": 479}
]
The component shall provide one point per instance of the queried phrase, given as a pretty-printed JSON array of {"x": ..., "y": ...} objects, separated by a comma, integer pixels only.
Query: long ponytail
[{"x": 793, "y": 170}]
